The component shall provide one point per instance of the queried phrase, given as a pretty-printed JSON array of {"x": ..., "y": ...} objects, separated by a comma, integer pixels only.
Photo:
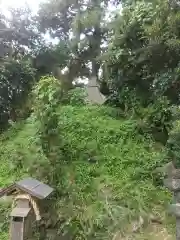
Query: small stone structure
[
  {"x": 172, "y": 182},
  {"x": 94, "y": 94},
  {"x": 27, "y": 196}
]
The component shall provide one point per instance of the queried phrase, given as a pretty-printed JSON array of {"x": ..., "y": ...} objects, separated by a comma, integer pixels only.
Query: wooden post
[
  {"x": 19, "y": 226},
  {"x": 172, "y": 182}
]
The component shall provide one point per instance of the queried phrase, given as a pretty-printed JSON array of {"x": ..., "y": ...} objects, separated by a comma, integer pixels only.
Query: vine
[{"x": 47, "y": 95}]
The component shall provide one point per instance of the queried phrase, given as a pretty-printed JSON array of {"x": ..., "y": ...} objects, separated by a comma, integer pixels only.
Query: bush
[
  {"x": 76, "y": 96},
  {"x": 16, "y": 80},
  {"x": 157, "y": 119},
  {"x": 173, "y": 143},
  {"x": 47, "y": 95}
]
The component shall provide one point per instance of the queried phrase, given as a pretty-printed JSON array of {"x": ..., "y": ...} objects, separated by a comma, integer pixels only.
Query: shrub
[
  {"x": 47, "y": 95},
  {"x": 76, "y": 96},
  {"x": 16, "y": 80},
  {"x": 157, "y": 119}
]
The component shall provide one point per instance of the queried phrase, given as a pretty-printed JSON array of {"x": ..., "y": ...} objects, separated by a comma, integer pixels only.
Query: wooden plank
[{"x": 17, "y": 231}]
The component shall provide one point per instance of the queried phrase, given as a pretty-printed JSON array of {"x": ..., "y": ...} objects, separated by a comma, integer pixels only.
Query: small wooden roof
[
  {"x": 31, "y": 186},
  {"x": 20, "y": 212},
  {"x": 34, "y": 188}
]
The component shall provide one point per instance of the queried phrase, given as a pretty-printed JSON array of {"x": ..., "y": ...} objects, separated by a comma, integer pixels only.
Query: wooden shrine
[{"x": 27, "y": 196}]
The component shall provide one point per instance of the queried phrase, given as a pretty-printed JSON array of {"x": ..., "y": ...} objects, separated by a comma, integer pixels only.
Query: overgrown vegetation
[
  {"x": 101, "y": 160},
  {"x": 96, "y": 170}
]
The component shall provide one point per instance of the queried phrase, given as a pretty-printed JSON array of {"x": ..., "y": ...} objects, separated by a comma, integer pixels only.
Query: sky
[{"x": 33, "y": 4}]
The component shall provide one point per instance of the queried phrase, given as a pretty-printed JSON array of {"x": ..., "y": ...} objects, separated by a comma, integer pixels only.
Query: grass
[
  {"x": 152, "y": 232},
  {"x": 106, "y": 178}
]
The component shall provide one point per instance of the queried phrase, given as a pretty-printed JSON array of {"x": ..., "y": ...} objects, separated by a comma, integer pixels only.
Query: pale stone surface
[
  {"x": 175, "y": 209},
  {"x": 178, "y": 229},
  {"x": 169, "y": 170},
  {"x": 176, "y": 197},
  {"x": 172, "y": 184},
  {"x": 94, "y": 95}
]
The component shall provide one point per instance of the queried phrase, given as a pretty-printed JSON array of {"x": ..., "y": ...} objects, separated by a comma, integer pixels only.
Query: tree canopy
[{"x": 135, "y": 51}]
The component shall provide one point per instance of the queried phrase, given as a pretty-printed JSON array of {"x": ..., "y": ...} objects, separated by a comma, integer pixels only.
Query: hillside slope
[{"x": 105, "y": 172}]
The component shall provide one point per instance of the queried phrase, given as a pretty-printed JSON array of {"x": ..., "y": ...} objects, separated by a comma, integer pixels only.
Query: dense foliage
[
  {"x": 135, "y": 53},
  {"x": 16, "y": 81},
  {"x": 143, "y": 53},
  {"x": 136, "y": 49},
  {"x": 101, "y": 167},
  {"x": 97, "y": 158}
]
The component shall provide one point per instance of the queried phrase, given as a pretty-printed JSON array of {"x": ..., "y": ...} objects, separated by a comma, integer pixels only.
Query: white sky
[{"x": 33, "y": 4}]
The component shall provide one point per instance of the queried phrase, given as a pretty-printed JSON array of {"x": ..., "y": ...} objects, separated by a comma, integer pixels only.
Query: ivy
[{"x": 47, "y": 95}]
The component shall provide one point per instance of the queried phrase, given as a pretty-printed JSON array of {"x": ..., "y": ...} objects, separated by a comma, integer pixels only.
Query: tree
[
  {"x": 16, "y": 81},
  {"x": 81, "y": 24},
  {"x": 18, "y": 37},
  {"x": 143, "y": 52},
  {"x": 18, "y": 33}
]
